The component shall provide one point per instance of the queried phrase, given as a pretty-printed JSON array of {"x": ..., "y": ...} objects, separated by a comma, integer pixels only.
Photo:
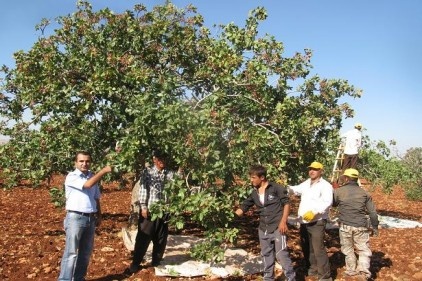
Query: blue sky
[{"x": 376, "y": 45}]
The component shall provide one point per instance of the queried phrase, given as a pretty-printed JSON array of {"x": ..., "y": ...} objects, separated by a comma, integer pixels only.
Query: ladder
[
  {"x": 338, "y": 163},
  {"x": 337, "y": 168}
]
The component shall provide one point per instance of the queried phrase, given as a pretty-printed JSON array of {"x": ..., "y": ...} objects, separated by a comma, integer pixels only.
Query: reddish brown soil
[{"x": 32, "y": 239}]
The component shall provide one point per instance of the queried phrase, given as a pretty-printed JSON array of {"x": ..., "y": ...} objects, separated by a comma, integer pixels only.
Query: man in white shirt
[
  {"x": 316, "y": 199},
  {"x": 352, "y": 143},
  {"x": 83, "y": 214}
]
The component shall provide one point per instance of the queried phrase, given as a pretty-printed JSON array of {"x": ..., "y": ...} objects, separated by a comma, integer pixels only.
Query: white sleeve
[
  {"x": 75, "y": 181},
  {"x": 295, "y": 189}
]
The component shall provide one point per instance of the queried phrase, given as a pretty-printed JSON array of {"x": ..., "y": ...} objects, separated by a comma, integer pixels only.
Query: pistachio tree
[{"x": 216, "y": 99}]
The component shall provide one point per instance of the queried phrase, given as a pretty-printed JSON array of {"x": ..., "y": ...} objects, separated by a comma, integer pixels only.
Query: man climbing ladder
[
  {"x": 352, "y": 143},
  {"x": 347, "y": 153}
]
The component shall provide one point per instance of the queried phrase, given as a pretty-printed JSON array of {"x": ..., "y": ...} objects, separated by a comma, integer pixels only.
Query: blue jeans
[{"x": 80, "y": 232}]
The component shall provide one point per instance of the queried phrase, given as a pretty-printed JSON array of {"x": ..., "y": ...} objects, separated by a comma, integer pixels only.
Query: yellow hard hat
[
  {"x": 351, "y": 173},
  {"x": 316, "y": 165},
  {"x": 358, "y": 126}
]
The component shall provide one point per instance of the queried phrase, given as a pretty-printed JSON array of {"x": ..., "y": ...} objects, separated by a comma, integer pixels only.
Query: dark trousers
[
  {"x": 274, "y": 246},
  {"x": 155, "y": 231},
  {"x": 312, "y": 240},
  {"x": 350, "y": 161}
]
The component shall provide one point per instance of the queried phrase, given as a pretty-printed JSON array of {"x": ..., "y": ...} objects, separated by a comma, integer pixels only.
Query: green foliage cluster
[
  {"x": 217, "y": 102},
  {"x": 210, "y": 251},
  {"x": 210, "y": 208},
  {"x": 412, "y": 160},
  {"x": 380, "y": 167},
  {"x": 57, "y": 196}
]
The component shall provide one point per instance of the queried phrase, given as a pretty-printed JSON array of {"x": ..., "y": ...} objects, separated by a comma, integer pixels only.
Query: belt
[{"x": 82, "y": 214}]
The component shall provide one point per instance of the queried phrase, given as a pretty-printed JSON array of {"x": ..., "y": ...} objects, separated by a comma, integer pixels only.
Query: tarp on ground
[{"x": 238, "y": 262}]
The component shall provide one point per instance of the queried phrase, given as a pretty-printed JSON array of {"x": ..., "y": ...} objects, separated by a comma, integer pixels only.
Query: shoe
[
  {"x": 350, "y": 274},
  {"x": 362, "y": 277},
  {"x": 312, "y": 272},
  {"x": 133, "y": 268},
  {"x": 326, "y": 277},
  {"x": 155, "y": 263}
]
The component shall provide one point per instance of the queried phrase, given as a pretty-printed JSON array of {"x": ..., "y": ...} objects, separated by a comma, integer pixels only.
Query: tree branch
[
  {"x": 213, "y": 92},
  {"x": 252, "y": 99},
  {"x": 268, "y": 130}
]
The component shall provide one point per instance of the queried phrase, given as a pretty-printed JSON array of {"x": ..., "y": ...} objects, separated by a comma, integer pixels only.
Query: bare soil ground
[{"x": 32, "y": 239}]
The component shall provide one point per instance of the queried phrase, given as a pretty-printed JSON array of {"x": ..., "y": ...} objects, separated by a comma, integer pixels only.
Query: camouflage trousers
[{"x": 355, "y": 240}]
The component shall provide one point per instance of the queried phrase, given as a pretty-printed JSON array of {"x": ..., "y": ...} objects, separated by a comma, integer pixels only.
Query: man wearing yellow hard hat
[
  {"x": 316, "y": 199},
  {"x": 352, "y": 143},
  {"x": 353, "y": 203}
]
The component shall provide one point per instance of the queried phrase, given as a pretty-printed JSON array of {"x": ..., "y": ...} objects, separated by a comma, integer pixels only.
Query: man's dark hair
[
  {"x": 258, "y": 170},
  {"x": 82, "y": 152},
  {"x": 160, "y": 155}
]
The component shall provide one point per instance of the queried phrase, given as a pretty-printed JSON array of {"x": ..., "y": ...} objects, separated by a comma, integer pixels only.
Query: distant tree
[
  {"x": 413, "y": 162},
  {"x": 378, "y": 165},
  {"x": 216, "y": 102}
]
